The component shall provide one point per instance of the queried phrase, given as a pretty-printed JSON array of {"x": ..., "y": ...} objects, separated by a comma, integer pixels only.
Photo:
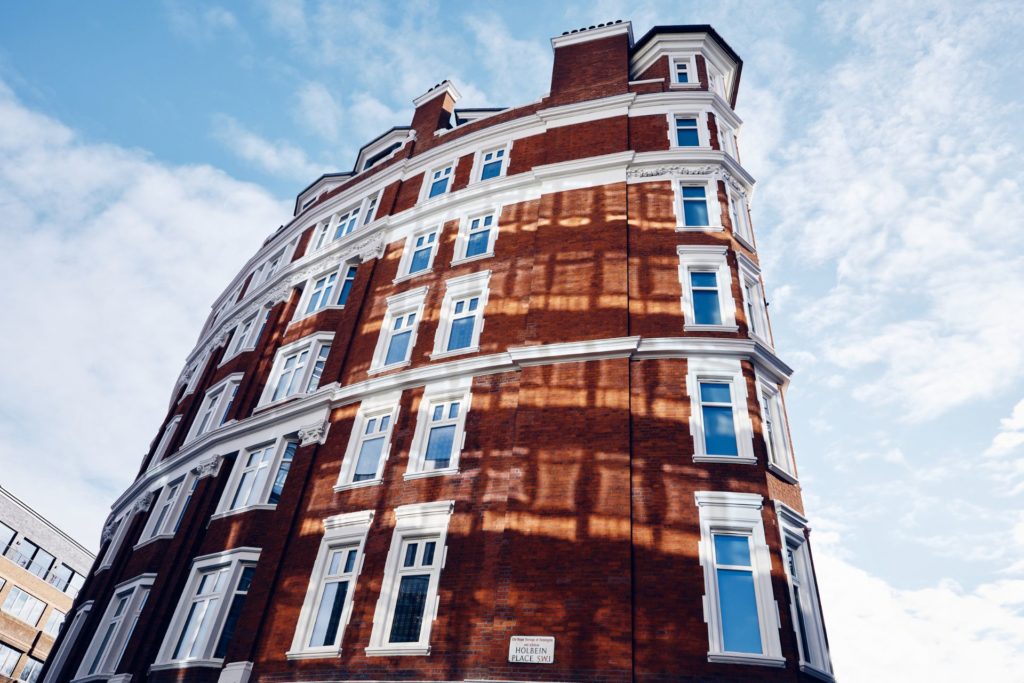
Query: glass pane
[
  {"x": 687, "y": 137},
  {"x": 438, "y": 413},
  {"x": 682, "y": 77},
  {"x": 410, "y": 555},
  {"x": 695, "y": 212},
  {"x": 428, "y": 553},
  {"x": 369, "y": 459},
  {"x": 335, "y": 564},
  {"x": 438, "y": 187},
  {"x": 230, "y": 623},
  {"x": 715, "y": 392},
  {"x": 693, "y": 192},
  {"x": 732, "y": 550},
  {"x": 346, "y": 288},
  {"x": 703, "y": 279},
  {"x": 350, "y": 561},
  {"x": 453, "y": 410},
  {"x": 705, "y": 307},
  {"x": 491, "y": 170},
  {"x": 398, "y": 348},
  {"x": 409, "y": 607},
  {"x": 462, "y": 333},
  {"x": 719, "y": 435},
  {"x": 478, "y": 243},
  {"x": 439, "y": 446},
  {"x": 420, "y": 260},
  {"x": 738, "y": 604},
  {"x": 328, "y": 615}
]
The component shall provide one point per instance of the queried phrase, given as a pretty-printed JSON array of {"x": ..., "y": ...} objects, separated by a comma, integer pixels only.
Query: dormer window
[
  {"x": 682, "y": 72},
  {"x": 683, "y": 69}
]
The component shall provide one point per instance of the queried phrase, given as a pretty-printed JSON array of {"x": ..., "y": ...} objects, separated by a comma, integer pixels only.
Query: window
[
  {"x": 418, "y": 255},
  {"x": 30, "y": 672},
  {"x": 477, "y": 236},
  {"x": 707, "y": 289},
  {"x": 687, "y": 132},
  {"x": 726, "y": 138},
  {"x": 343, "y": 223},
  {"x": 462, "y": 314},
  {"x": 259, "y": 476},
  {"x": 347, "y": 222},
  {"x": 740, "y": 218},
  {"x": 32, "y": 557},
  {"x": 740, "y": 609},
  {"x": 216, "y": 406},
  {"x": 346, "y": 284},
  {"x": 207, "y": 615},
  {"x": 9, "y": 658},
  {"x": 324, "y": 291},
  {"x": 165, "y": 440},
  {"x": 53, "y": 622},
  {"x": 805, "y": 608},
  {"x": 59, "y": 657},
  {"x": 491, "y": 162},
  {"x": 298, "y": 367},
  {"x": 753, "y": 299},
  {"x": 697, "y": 205},
  {"x": 773, "y": 429},
  {"x": 21, "y": 605},
  {"x": 398, "y": 329},
  {"x": 370, "y": 441},
  {"x": 719, "y": 420},
  {"x": 115, "y": 629},
  {"x": 66, "y": 579},
  {"x": 7, "y": 535},
  {"x": 684, "y": 71},
  {"x": 240, "y": 337},
  {"x": 439, "y": 181},
  {"x": 169, "y": 509},
  {"x": 440, "y": 429},
  {"x": 117, "y": 530},
  {"x": 328, "y": 603},
  {"x": 408, "y": 600}
]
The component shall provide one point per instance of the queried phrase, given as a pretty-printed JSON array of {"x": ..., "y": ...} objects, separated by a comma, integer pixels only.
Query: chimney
[
  {"x": 434, "y": 110},
  {"x": 591, "y": 62}
]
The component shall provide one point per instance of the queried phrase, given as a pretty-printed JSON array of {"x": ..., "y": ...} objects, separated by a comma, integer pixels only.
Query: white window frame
[
  {"x": 478, "y": 161},
  {"x": 710, "y": 185},
  {"x": 750, "y": 279},
  {"x": 59, "y": 658},
  {"x": 740, "y": 514},
  {"x": 409, "y": 249},
  {"x": 30, "y": 600},
  {"x": 262, "y": 495},
  {"x": 707, "y": 259},
  {"x": 53, "y": 629},
  {"x": 406, "y": 303},
  {"x": 727, "y": 140},
  {"x": 135, "y": 591},
  {"x": 780, "y": 449},
  {"x": 235, "y": 560},
  {"x": 6, "y": 661},
  {"x": 427, "y": 521},
  {"x": 473, "y": 285},
  {"x": 739, "y": 216},
  {"x": 223, "y": 394},
  {"x": 376, "y": 407},
  {"x": 693, "y": 77},
  {"x": 724, "y": 371},
  {"x": 323, "y": 233},
  {"x": 167, "y": 510},
  {"x": 703, "y": 130},
  {"x": 793, "y": 532},
  {"x": 428, "y": 180},
  {"x": 123, "y": 522},
  {"x": 339, "y": 271},
  {"x": 465, "y": 227},
  {"x": 165, "y": 440},
  {"x": 439, "y": 392},
  {"x": 32, "y": 666},
  {"x": 313, "y": 343},
  {"x": 340, "y": 531},
  {"x": 241, "y": 338}
]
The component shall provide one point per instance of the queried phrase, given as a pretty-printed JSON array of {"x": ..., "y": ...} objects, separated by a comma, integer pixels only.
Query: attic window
[{"x": 381, "y": 154}]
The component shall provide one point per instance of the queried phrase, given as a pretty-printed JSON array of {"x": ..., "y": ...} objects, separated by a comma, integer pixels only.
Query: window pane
[
  {"x": 420, "y": 260},
  {"x": 398, "y": 348},
  {"x": 438, "y": 187},
  {"x": 328, "y": 615},
  {"x": 462, "y": 333},
  {"x": 732, "y": 550},
  {"x": 491, "y": 170},
  {"x": 346, "y": 288},
  {"x": 409, "y": 607},
  {"x": 703, "y": 279},
  {"x": 738, "y": 605},
  {"x": 715, "y": 392},
  {"x": 477, "y": 243},
  {"x": 439, "y": 446},
  {"x": 428, "y": 553},
  {"x": 369, "y": 459},
  {"x": 705, "y": 307},
  {"x": 695, "y": 212},
  {"x": 719, "y": 435}
]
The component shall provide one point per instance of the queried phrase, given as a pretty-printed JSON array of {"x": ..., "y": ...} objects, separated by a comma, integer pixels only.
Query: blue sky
[{"x": 146, "y": 149}]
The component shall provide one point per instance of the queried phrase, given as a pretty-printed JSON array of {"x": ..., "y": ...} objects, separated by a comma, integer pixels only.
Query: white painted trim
[
  {"x": 593, "y": 33},
  {"x": 439, "y": 392},
  {"x": 458, "y": 288},
  {"x": 727, "y": 371},
  {"x": 440, "y": 88},
  {"x": 378, "y": 406},
  {"x": 403, "y": 304},
  {"x": 314, "y": 343},
  {"x": 706, "y": 259}
]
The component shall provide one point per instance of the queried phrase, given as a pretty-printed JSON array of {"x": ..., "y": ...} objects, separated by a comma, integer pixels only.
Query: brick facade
[{"x": 574, "y": 498}]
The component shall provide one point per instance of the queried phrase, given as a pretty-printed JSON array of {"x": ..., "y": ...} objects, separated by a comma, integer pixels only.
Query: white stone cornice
[{"x": 573, "y": 352}]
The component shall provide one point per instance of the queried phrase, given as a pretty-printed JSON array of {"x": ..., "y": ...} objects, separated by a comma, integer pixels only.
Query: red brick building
[{"x": 500, "y": 404}]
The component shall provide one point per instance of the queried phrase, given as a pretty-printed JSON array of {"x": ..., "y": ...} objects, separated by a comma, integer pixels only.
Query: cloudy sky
[{"x": 146, "y": 150}]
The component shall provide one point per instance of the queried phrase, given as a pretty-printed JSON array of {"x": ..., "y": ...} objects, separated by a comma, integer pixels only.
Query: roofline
[
  {"x": 695, "y": 28},
  {"x": 47, "y": 522}
]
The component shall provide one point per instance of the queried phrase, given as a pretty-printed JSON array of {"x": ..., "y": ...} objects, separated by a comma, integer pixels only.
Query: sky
[{"x": 146, "y": 150}]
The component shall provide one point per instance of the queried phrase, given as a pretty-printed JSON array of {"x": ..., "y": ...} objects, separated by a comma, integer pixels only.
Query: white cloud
[
  {"x": 318, "y": 111},
  {"x": 1011, "y": 433},
  {"x": 124, "y": 256},
  {"x": 200, "y": 24},
  {"x": 279, "y": 158}
]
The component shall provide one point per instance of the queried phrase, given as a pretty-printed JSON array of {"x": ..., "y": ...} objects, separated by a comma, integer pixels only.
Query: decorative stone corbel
[
  {"x": 314, "y": 434},
  {"x": 208, "y": 468},
  {"x": 144, "y": 502},
  {"x": 370, "y": 248}
]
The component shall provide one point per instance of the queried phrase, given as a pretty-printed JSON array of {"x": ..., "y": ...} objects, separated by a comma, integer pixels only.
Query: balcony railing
[{"x": 60, "y": 582}]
